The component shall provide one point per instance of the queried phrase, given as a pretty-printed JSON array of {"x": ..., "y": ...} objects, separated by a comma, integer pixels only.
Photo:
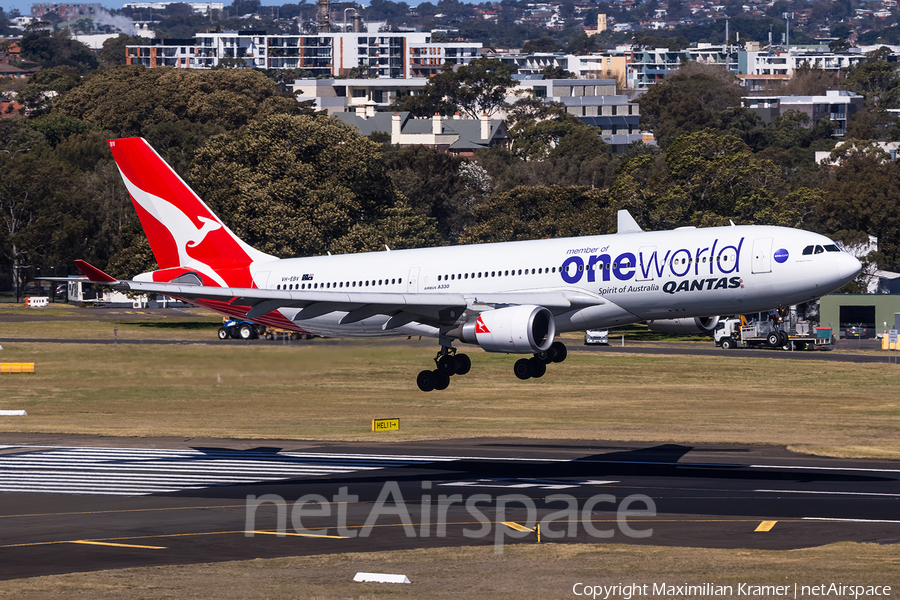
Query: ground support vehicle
[
  {"x": 790, "y": 334},
  {"x": 240, "y": 330},
  {"x": 274, "y": 333},
  {"x": 596, "y": 336}
]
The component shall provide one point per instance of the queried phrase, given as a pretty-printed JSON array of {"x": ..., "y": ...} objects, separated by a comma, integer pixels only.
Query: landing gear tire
[
  {"x": 522, "y": 368},
  {"x": 561, "y": 352},
  {"x": 463, "y": 364},
  {"x": 538, "y": 367},
  {"x": 783, "y": 338},
  {"x": 441, "y": 380},
  {"x": 426, "y": 380},
  {"x": 727, "y": 344},
  {"x": 772, "y": 339},
  {"x": 223, "y": 333},
  {"x": 546, "y": 357},
  {"x": 447, "y": 365}
]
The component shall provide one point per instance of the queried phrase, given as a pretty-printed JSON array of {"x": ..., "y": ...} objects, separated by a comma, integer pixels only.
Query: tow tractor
[
  {"x": 781, "y": 329},
  {"x": 240, "y": 329}
]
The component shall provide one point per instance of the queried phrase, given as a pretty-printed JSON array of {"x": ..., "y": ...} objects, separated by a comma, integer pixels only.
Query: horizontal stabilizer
[{"x": 94, "y": 274}]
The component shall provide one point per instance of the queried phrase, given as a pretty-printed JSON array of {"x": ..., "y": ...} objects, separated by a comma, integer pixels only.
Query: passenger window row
[
  {"x": 338, "y": 284},
  {"x": 485, "y": 274}
]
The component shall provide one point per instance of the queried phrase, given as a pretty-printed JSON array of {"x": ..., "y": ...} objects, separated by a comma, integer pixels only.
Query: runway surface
[
  {"x": 683, "y": 349},
  {"x": 79, "y": 503}
]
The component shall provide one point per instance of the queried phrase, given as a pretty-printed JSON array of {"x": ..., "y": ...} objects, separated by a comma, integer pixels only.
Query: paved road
[{"x": 76, "y": 503}]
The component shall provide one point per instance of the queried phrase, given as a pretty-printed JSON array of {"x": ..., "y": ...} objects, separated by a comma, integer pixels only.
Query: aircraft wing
[
  {"x": 403, "y": 308},
  {"x": 436, "y": 308}
]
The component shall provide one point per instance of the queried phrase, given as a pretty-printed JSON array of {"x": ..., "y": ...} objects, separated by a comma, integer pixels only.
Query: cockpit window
[
  {"x": 819, "y": 249},
  {"x": 807, "y": 250},
  {"x": 832, "y": 248}
]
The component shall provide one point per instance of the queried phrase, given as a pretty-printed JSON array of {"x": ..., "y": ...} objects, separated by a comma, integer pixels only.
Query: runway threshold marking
[
  {"x": 117, "y": 545},
  {"x": 766, "y": 526},
  {"x": 516, "y": 526}
]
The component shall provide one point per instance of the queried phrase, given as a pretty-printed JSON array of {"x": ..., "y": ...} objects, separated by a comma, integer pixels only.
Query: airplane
[{"x": 509, "y": 297}]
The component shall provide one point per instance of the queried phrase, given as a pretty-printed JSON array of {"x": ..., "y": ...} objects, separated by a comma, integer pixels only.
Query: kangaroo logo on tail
[{"x": 182, "y": 230}]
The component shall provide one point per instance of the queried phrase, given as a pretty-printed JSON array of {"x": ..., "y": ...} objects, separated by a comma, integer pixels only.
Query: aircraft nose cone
[{"x": 848, "y": 267}]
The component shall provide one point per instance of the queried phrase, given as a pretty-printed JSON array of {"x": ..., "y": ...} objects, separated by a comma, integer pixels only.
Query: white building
[
  {"x": 385, "y": 54},
  {"x": 199, "y": 8},
  {"x": 339, "y": 95}
]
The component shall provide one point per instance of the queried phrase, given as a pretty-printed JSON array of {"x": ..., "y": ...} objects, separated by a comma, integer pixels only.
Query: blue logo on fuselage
[
  {"x": 681, "y": 263},
  {"x": 781, "y": 255}
]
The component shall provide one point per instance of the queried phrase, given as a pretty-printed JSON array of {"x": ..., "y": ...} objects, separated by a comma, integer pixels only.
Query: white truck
[{"x": 789, "y": 334}]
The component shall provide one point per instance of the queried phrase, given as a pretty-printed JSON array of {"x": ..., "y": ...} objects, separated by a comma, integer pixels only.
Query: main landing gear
[
  {"x": 448, "y": 363},
  {"x": 536, "y": 366}
]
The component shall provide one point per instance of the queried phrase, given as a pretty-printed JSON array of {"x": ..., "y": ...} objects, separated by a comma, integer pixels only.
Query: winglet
[
  {"x": 627, "y": 224},
  {"x": 93, "y": 273}
]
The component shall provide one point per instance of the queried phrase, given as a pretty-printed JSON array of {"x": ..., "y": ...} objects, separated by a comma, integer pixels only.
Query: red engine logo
[{"x": 480, "y": 327}]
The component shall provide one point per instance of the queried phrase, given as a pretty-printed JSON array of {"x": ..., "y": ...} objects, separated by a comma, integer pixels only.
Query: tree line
[{"x": 293, "y": 182}]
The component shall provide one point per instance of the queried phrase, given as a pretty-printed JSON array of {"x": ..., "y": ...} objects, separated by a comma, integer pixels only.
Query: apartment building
[
  {"x": 837, "y": 105},
  {"x": 386, "y": 54}
]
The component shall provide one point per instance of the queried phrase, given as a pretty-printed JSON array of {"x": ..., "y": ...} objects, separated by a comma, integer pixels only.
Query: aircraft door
[
  {"x": 647, "y": 261},
  {"x": 412, "y": 282},
  {"x": 762, "y": 256},
  {"x": 261, "y": 279}
]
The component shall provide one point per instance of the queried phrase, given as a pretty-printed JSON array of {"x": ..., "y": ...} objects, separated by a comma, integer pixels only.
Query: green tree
[
  {"x": 57, "y": 128},
  {"x": 691, "y": 100},
  {"x": 434, "y": 186},
  {"x": 877, "y": 79},
  {"x": 544, "y": 44},
  {"x": 556, "y": 72},
  {"x": 862, "y": 198},
  {"x": 45, "y": 86},
  {"x": 536, "y": 212},
  {"x": 476, "y": 88},
  {"x": 31, "y": 191},
  {"x": 295, "y": 186},
  {"x": 128, "y": 100},
  {"x": 57, "y": 49},
  {"x": 713, "y": 177},
  {"x": 583, "y": 43}
]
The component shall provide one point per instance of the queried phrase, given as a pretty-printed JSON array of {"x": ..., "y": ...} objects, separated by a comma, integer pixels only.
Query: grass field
[
  {"x": 329, "y": 390},
  {"x": 523, "y": 571}
]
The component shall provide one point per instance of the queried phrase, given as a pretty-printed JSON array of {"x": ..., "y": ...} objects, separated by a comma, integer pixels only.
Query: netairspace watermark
[
  {"x": 433, "y": 514},
  {"x": 648, "y": 590}
]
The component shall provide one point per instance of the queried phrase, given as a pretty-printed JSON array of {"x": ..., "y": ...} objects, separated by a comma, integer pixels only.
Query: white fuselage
[{"x": 641, "y": 276}]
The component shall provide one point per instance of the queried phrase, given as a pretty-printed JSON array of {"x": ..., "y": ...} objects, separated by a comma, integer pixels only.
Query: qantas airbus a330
[{"x": 511, "y": 297}]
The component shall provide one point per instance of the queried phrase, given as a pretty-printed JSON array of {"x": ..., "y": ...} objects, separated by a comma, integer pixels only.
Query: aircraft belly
[{"x": 592, "y": 317}]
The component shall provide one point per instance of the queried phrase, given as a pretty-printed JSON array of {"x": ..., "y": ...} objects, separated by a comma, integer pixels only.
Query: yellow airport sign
[
  {"x": 385, "y": 424},
  {"x": 16, "y": 367}
]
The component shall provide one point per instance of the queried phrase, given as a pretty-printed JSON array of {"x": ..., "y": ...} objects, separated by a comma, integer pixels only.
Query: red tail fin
[{"x": 183, "y": 232}]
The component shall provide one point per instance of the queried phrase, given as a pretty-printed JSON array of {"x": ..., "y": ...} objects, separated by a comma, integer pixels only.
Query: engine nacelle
[
  {"x": 687, "y": 325},
  {"x": 514, "y": 330}
]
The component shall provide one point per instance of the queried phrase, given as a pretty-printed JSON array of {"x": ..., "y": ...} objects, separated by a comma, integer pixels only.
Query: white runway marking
[
  {"x": 138, "y": 472},
  {"x": 829, "y": 493}
]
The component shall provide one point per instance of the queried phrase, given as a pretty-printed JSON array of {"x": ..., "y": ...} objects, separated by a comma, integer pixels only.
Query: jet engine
[
  {"x": 515, "y": 330},
  {"x": 687, "y": 325}
]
